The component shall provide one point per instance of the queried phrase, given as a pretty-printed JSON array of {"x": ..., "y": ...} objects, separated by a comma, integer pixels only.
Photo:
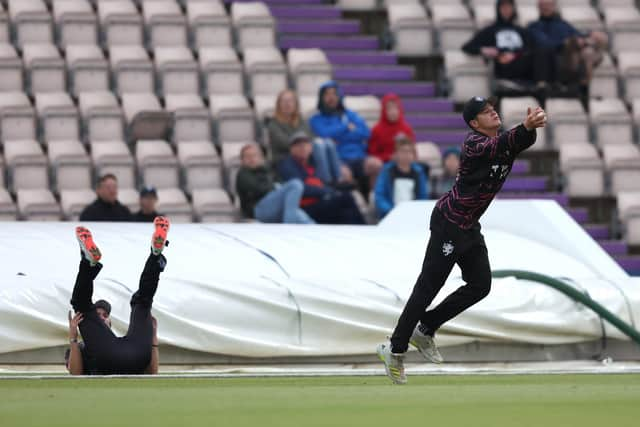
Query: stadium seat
[
  {"x": 485, "y": 14},
  {"x": 213, "y": 205},
  {"x": 583, "y": 17},
  {"x": 467, "y": 75},
  {"x": 177, "y": 70},
  {"x": 70, "y": 165},
  {"x": 221, "y": 71},
  {"x": 88, "y": 69},
  {"x": 191, "y": 119},
  {"x": 4, "y": 26},
  {"x": 412, "y": 30},
  {"x": 429, "y": 153},
  {"x": 114, "y": 157},
  {"x": 120, "y": 23},
  {"x": 234, "y": 118},
  {"x": 58, "y": 117},
  {"x": 309, "y": 69},
  {"x": 17, "y": 117},
  {"x": 309, "y": 105},
  {"x": 604, "y": 83},
  {"x": 76, "y": 22},
  {"x": 567, "y": 121},
  {"x": 74, "y": 201},
  {"x": 132, "y": 70},
  {"x": 628, "y": 203},
  {"x": 453, "y": 24},
  {"x": 611, "y": 121},
  {"x": 10, "y": 69},
  {"x": 145, "y": 117},
  {"x": 201, "y": 165},
  {"x": 209, "y": 23},
  {"x": 367, "y": 106},
  {"x": 266, "y": 71},
  {"x": 8, "y": 210},
  {"x": 623, "y": 165},
  {"x": 629, "y": 64},
  {"x": 38, "y": 205},
  {"x": 623, "y": 25},
  {"x": 513, "y": 111},
  {"x": 173, "y": 203},
  {"x": 264, "y": 106},
  {"x": 253, "y": 24},
  {"x": 165, "y": 23},
  {"x": 157, "y": 165},
  {"x": 582, "y": 169},
  {"x": 231, "y": 162},
  {"x": 527, "y": 13},
  {"x": 101, "y": 116},
  {"x": 31, "y": 21},
  {"x": 26, "y": 164},
  {"x": 3, "y": 171},
  {"x": 45, "y": 68},
  {"x": 130, "y": 197}
]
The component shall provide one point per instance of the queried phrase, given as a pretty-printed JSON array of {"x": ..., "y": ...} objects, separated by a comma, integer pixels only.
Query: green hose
[{"x": 574, "y": 294}]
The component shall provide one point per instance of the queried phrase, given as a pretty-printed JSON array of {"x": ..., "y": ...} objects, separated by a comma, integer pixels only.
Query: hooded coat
[
  {"x": 334, "y": 124},
  {"x": 383, "y": 136}
]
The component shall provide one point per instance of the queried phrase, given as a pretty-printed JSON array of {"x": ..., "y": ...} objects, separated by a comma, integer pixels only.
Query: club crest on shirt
[{"x": 447, "y": 248}]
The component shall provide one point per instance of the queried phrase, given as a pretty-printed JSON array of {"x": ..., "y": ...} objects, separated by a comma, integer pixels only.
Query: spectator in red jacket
[{"x": 389, "y": 128}]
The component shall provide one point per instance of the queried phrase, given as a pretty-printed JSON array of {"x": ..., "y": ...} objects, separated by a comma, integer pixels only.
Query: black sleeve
[
  {"x": 483, "y": 38},
  {"x": 87, "y": 213}
]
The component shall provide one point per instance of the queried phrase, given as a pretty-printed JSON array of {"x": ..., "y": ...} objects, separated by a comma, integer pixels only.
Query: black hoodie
[{"x": 504, "y": 35}]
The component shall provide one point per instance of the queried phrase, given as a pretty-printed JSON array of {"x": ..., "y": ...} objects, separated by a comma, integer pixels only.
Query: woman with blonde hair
[{"x": 287, "y": 120}]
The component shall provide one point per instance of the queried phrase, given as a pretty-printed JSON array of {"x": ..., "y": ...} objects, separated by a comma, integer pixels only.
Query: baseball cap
[
  {"x": 103, "y": 305},
  {"x": 298, "y": 136},
  {"x": 474, "y": 106},
  {"x": 148, "y": 191}
]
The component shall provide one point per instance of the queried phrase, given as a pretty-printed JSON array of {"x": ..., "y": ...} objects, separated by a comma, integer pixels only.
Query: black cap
[
  {"x": 148, "y": 191},
  {"x": 474, "y": 106},
  {"x": 103, "y": 305},
  {"x": 299, "y": 137}
]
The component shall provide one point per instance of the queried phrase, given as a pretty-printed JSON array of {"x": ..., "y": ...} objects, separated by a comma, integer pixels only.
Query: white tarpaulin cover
[{"x": 292, "y": 290}]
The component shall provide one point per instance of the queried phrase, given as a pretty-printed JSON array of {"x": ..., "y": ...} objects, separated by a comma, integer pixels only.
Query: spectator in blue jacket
[
  {"x": 323, "y": 203},
  {"x": 348, "y": 130},
  {"x": 579, "y": 53},
  {"x": 401, "y": 180}
]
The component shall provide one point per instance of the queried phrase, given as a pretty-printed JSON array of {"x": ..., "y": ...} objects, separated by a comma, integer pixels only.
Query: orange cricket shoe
[
  {"x": 159, "y": 238},
  {"x": 89, "y": 249}
]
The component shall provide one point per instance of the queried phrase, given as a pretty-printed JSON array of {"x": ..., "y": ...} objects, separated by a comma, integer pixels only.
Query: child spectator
[{"x": 391, "y": 125}]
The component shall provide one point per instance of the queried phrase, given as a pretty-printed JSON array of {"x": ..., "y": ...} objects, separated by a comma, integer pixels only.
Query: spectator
[
  {"x": 510, "y": 47},
  {"x": 286, "y": 121},
  {"x": 401, "y": 179},
  {"x": 106, "y": 207},
  {"x": 148, "y": 202},
  {"x": 323, "y": 203},
  {"x": 260, "y": 198},
  {"x": 390, "y": 126},
  {"x": 578, "y": 53},
  {"x": 350, "y": 133},
  {"x": 451, "y": 163}
]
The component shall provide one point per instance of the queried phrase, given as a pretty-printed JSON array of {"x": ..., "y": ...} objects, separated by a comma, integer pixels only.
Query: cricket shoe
[
  {"x": 159, "y": 238},
  {"x": 88, "y": 247},
  {"x": 393, "y": 363},
  {"x": 425, "y": 345}
]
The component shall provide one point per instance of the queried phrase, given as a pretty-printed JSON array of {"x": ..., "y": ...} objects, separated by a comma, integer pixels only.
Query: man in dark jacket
[
  {"x": 487, "y": 158},
  {"x": 323, "y": 203},
  {"x": 106, "y": 207},
  {"x": 579, "y": 53},
  {"x": 509, "y": 46},
  {"x": 263, "y": 200},
  {"x": 148, "y": 201}
]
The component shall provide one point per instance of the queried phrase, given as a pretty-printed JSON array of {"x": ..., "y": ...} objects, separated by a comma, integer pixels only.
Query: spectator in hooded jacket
[
  {"x": 510, "y": 47},
  {"x": 389, "y": 128},
  {"x": 287, "y": 121},
  {"x": 401, "y": 180},
  {"x": 579, "y": 53},
  {"x": 348, "y": 130}
]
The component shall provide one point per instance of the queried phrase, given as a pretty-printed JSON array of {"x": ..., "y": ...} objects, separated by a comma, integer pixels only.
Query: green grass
[{"x": 443, "y": 401}]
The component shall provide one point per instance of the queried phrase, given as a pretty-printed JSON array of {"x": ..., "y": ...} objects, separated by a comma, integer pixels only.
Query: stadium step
[
  {"x": 580, "y": 215},
  {"x": 597, "y": 231},
  {"x": 560, "y": 198},
  {"x": 329, "y": 42},
  {"x": 614, "y": 247},
  {"x": 425, "y": 105},
  {"x": 377, "y": 72},
  {"x": 431, "y": 120},
  {"x": 324, "y": 26},
  {"x": 309, "y": 12},
  {"x": 381, "y": 88},
  {"x": 361, "y": 57},
  {"x": 630, "y": 263},
  {"x": 526, "y": 184}
]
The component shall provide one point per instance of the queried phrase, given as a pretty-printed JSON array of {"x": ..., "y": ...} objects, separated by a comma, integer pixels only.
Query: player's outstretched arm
[
  {"x": 74, "y": 365},
  {"x": 152, "y": 369}
]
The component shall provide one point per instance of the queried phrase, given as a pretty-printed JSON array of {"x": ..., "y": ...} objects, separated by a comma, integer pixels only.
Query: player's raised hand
[
  {"x": 536, "y": 118},
  {"x": 74, "y": 321}
]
